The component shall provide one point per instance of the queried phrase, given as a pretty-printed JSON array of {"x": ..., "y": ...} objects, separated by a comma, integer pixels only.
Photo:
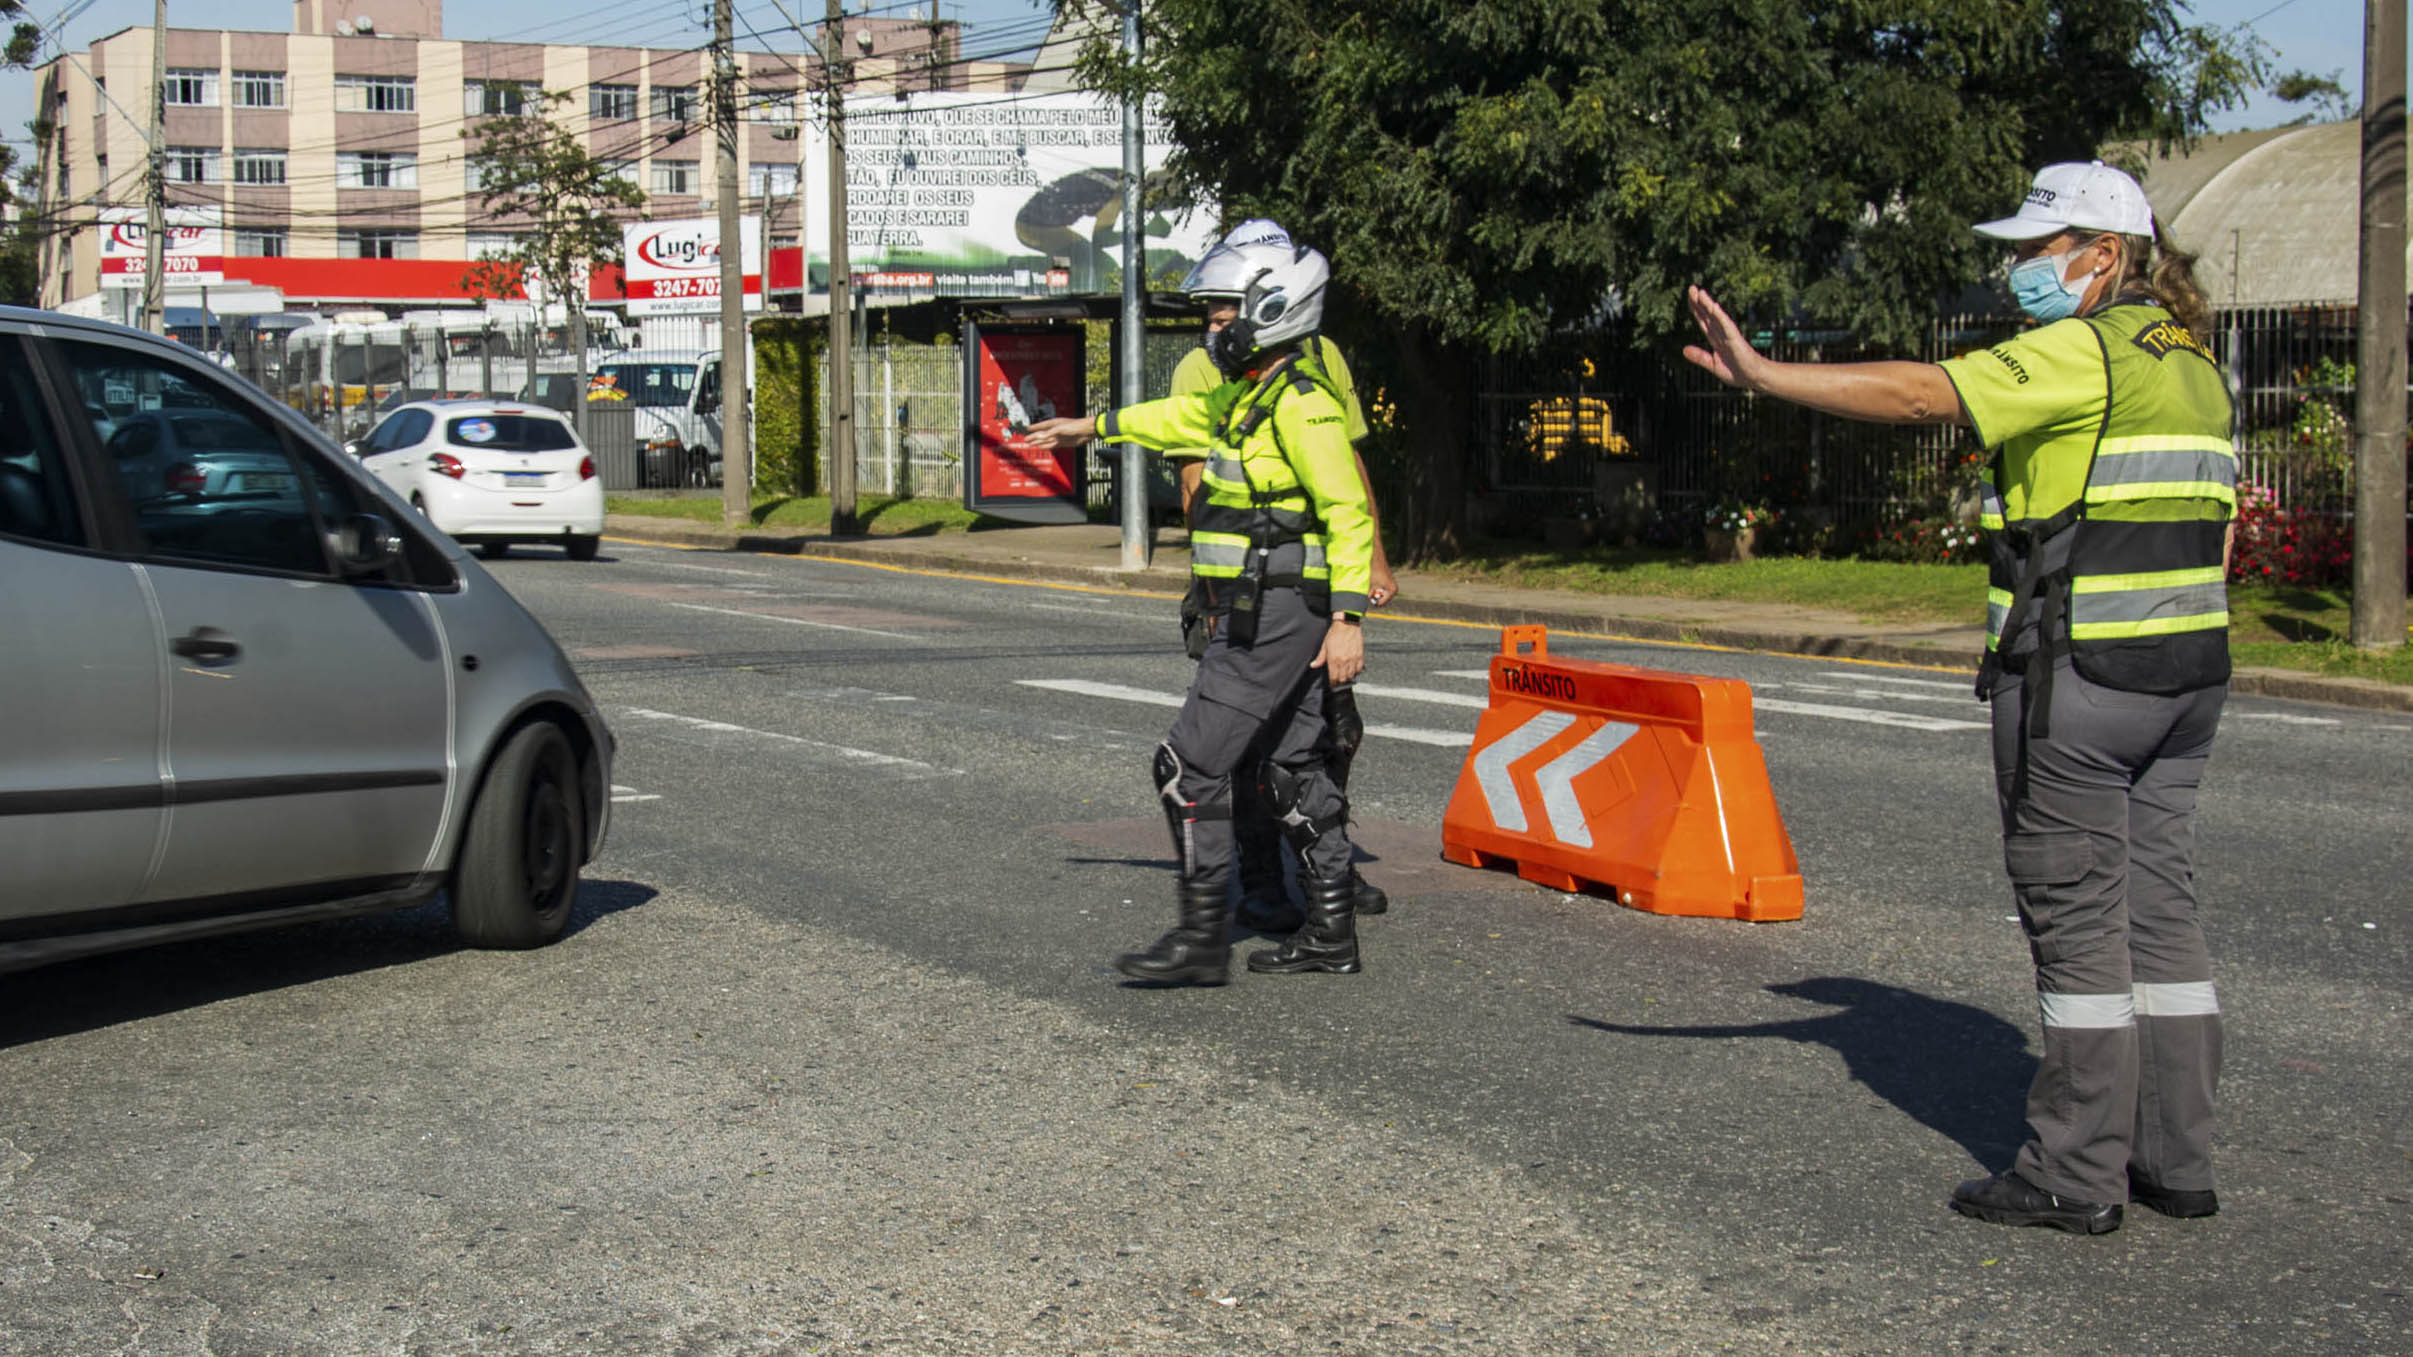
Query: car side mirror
[
  {"x": 365, "y": 544},
  {"x": 352, "y": 448}
]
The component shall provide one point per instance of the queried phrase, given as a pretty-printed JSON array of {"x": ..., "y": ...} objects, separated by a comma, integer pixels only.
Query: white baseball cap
[{"x": 2088, "y": 197}]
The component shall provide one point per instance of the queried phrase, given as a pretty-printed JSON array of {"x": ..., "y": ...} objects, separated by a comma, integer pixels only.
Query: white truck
[{"x": 676, "y": 395}]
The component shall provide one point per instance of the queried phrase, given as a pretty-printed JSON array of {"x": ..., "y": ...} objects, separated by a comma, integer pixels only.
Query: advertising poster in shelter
[
  {"x": 1014, "y": 378},
  {"x": 974, "y": 195}
]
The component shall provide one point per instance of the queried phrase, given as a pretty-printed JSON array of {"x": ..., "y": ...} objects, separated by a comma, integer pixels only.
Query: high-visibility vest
[
  {"x": 2113, "y": 535},
  {"x": 1278, "y": 473}
]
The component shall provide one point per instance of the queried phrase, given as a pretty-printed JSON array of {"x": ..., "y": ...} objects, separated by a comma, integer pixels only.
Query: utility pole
[
  {"x": 841, "y": 354},
  {"x": 1134, "y": 327},
  {"x": 737, "y": 463},
  {"x": 2378, "y": 616},
  {"x": 155, "y": 224}
]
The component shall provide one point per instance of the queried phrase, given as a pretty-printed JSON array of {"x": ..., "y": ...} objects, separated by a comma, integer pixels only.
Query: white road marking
[
  {"x": 623, "y": 795},
  {"x": 1481, "y": 675},
  {"x": 866, "y": 757},
  {"x": 1123, "y": 693},
  {"x": 1108, "y": 613},
  {"x": 1866, "y": 715},
  {"x": 1422, "y": 695},
  {"x": 795, "y": 621},
  {"x": 1960, "y": 687},
  {"x": 707, "y": 569},
  {"x": 2291, "y": 719},
  {"x": 1965, "y": 697}
]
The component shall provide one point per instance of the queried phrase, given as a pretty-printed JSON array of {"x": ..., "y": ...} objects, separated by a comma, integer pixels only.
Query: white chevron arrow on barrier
[
  {"x": 1556, "y": 780},
  {"x": 1491, "y": 766}
]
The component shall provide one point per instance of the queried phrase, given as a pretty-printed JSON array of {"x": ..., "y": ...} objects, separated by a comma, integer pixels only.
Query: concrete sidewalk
[{"x": 1091, "y": 554}]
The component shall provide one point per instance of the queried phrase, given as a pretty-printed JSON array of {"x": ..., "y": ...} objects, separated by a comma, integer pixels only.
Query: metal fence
[{"x": 1604, "y": 419}]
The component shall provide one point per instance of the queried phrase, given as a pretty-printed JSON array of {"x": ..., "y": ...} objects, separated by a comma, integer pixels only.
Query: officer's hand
[
  {"x": 1383, "y": 587},
  {"x": 1050, "y": 434},
  {"x": 1343, "y": 657},
  {"x": 1729, "y": 357}
]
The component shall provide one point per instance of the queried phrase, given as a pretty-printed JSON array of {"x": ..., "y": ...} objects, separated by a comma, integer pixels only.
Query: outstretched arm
[{"x": 1886, "y": 393}]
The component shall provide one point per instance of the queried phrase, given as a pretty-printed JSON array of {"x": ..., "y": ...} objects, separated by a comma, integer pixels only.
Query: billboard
[
  {"x": 193, "y": 255},
  {"x": 977, "y": 195},
  {"x": 673, "y": 268},
  {"x": 1013, "y": 378}
]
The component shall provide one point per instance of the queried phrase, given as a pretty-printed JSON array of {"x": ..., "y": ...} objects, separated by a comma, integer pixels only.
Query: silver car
[{"x": 233, "y": 703}]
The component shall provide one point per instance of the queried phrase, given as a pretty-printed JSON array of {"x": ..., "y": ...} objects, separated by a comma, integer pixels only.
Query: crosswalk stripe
[
  {"x": 842, "y": 753},
  {"x": 1124, "y": 693},
  {"x": 1961, "y": 686},
  {"x": 1421, "y": 695}
]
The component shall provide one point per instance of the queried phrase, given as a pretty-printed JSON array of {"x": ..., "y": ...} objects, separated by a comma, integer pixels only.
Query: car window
[
  {"x": 654, "y": 384},
  {"x": 510, "y": 433},
  {"x": 415, "y": 425},
  {"x": 36, "y": 502},
  {"x": 386, "y": 436},
  {"x": 206, "y": 477}
]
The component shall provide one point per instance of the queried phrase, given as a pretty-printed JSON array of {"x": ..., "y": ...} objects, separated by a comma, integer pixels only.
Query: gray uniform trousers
[
  {"x": 2099, "y": 844},
  {"x": 1245, "y": 706}
]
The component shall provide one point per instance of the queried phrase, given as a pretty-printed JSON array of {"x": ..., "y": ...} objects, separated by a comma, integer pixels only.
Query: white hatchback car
[{"x": 491, "y": 473}]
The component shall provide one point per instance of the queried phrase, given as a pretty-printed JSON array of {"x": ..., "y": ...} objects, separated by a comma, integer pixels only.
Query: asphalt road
[{"x": 834, "y": 1062}]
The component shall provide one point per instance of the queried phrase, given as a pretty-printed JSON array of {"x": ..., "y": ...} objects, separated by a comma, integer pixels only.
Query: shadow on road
[
  {"x": 98, "y": 992},
  {"x": 1955, "y": 1069}
]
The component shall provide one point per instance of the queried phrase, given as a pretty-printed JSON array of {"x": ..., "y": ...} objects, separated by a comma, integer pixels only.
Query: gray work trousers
[
  {"x": 2099, "y": 841},
  {"x": 1249, "y": 706}
]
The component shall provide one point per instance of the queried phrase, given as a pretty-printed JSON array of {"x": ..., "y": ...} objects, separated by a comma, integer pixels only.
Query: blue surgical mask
[{"x": 2037, "y": 286}]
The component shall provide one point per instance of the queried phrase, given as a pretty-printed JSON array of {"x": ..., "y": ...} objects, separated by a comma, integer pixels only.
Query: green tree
[
  {"x": 2323, "y": 97},
  {"x": 1485, "y": 175},
  {"x": 565, "y": 205}
]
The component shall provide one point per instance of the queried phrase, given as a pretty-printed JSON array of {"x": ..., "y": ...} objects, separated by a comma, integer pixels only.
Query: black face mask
[{"x": 1231, "y": 347}]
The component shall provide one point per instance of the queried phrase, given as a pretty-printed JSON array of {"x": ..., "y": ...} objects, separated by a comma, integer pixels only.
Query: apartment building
[{"x": 336, "y": 153}]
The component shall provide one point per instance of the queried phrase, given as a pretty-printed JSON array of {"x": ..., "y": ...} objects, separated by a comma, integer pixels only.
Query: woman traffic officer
[
  {"x": 1282, "y": 538},
  {"x": 2107, "y": 662}
]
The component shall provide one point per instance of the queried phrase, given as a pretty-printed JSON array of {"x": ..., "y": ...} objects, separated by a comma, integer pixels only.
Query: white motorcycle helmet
[{"x": 1278, "y": 285}]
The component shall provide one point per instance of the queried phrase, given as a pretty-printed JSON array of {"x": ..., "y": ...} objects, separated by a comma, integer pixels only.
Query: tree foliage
[
  {"x": 1486, "y": 174},
  {"x": 2322, "y": 96},
  {"x": 537, "y": 178}
]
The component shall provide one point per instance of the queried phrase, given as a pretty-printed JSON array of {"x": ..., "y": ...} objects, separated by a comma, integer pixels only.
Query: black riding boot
[
  {"x": 1370, "y": 899},
  {"x": 1264, "y": 897},
  {"x": 1197, "y": 951},
  {"x": 1326, "y": 942}
]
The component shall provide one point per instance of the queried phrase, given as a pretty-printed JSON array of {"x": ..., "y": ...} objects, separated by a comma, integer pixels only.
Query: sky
[{"x": 2320, "y": 36}]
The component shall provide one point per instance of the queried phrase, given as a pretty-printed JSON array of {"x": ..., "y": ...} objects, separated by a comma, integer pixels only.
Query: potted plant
[{"x": 1730, "y": 526}]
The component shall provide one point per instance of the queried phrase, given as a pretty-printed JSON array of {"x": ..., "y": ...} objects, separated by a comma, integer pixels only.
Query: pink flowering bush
[{"x": 2278, "y": 544}]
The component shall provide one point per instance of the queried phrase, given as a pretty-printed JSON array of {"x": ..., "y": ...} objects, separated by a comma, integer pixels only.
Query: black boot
[
  {"x": 1370, "y": 899},
  {"x": 1264, "y": 898},
  {"x": 1326, "y": 942},
  {"x": 1197, "y": 951}
]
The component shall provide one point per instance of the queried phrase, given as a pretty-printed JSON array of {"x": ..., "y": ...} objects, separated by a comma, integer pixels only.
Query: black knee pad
[{"x": 1282, "y": 796}]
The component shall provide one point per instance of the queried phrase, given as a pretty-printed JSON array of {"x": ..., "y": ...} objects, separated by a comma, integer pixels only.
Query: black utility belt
[{"x": 1220, "y": 588}]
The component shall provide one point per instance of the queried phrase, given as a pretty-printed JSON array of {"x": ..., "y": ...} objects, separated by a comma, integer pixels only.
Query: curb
[{"x": 2292, "y": 685}]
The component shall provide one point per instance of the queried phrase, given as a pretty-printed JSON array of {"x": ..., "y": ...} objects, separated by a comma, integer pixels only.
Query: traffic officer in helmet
[{"x": 1283, "y": 539}]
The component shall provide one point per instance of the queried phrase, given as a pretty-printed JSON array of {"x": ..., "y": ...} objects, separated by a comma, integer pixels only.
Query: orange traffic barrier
[{"x": 1643, "y": 783}]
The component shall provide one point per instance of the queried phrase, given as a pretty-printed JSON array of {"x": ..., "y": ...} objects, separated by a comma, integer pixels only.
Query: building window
[
  {"x": 772, "y": 106},
  {"x": 623, "y": 170},
  {"x": 376, "y": 94},
  {"x": 260, "y": 166},
  {"x": 192, "y": 165},
  {"x": 190, "y": 87},
  {"x": 676, "y": 177},
  {"x": 260, "y": 242},
  {"x": 779, "y": 178},
  {"x": 492, "y": 244},
  {"x": 377, "y": 244},
  {"x": 376, "y": 169},
  {"x": 611, "y": 103},
  {"x": 674, "y": 103},
  {"x": 259, "y": 89},
  {"x": 498, "y": 98}
]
